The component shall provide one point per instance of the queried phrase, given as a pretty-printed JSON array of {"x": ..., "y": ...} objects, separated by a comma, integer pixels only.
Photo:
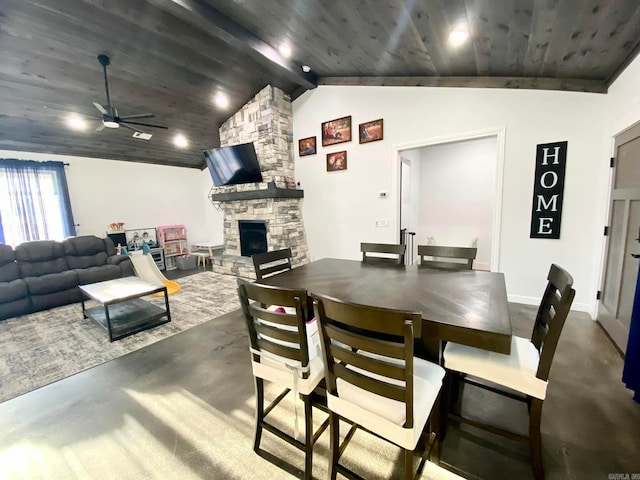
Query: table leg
[
  {"x": 166, "y": 304},
  {"x": 108, "y": 319}
]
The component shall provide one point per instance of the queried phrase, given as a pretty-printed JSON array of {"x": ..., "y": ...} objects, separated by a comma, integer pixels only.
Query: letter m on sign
[{"x": 548, "y": 188}]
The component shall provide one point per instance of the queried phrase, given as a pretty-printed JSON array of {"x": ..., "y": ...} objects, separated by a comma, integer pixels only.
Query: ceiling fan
[{"x": 110, "y": 117}]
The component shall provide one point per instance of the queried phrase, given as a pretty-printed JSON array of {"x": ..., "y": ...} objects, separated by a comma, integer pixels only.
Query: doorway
[
  {"x": 621, "y": 267},
  {"x": 454, "y": 194}
]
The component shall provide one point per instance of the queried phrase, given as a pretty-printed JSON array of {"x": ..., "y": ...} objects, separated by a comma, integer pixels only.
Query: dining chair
[
  {"x": 373, "y": 380},
  {"x": 284, "y": 350},
  {"x": 526, "y": 368},
  {"x": 397, "y": 250},
  {"x": 271, "y": 263},
  {"x": 467, "y": 254}
]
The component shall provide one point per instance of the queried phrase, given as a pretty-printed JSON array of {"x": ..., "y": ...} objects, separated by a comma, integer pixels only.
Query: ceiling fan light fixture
[
  {"x": 110, "y": 124},
  {"x": 306, "y": 68}
]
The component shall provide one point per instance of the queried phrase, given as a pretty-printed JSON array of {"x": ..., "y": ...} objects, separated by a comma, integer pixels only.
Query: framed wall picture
[
  {"x": 136, "y": 238},
  {"x": 336, "y": 161},
  {"x": 336, "y": 131},
  {"x": 371, "y": 131},
  {"x": 307, "y": 146}
]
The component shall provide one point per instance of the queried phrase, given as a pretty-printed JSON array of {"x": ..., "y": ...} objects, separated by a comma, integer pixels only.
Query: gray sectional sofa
[{"x": 44, "y": 274}]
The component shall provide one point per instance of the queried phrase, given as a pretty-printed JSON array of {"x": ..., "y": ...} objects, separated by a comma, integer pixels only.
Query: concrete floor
[{"x": 183, "y": 408}]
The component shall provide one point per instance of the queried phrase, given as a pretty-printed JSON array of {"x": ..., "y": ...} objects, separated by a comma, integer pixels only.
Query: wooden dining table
[{"x": 468, "y": 307}]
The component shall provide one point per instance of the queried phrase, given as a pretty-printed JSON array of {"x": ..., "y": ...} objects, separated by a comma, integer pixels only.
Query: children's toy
[{"x": 146, "y": 269}]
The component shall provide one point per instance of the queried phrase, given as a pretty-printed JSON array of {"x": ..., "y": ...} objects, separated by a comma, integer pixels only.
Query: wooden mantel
[{"x": 270, "y": 192}]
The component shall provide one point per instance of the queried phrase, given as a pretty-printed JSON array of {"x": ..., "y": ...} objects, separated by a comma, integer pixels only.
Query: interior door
[
  {"x": 621, "y": 270},
  {"x": 405, "y": 202}
]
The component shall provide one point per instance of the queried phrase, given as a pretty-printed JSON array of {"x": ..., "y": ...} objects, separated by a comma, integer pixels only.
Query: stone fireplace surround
[{"x": 266, "y": 120}]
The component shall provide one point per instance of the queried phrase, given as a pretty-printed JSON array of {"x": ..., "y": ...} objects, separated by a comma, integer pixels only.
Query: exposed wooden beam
[
  {"x": 529, "y": 83},
  {"x": 200, "y": 14}
]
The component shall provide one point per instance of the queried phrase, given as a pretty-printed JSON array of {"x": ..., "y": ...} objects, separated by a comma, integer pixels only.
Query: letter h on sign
[{"x": 546, "y": 214}]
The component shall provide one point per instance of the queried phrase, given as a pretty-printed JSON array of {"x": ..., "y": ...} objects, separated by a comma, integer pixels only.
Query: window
[{"x": 34, "y": 202}]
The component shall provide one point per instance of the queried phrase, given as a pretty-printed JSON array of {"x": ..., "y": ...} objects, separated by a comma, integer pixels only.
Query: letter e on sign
[{"x": 548, "y": 189}]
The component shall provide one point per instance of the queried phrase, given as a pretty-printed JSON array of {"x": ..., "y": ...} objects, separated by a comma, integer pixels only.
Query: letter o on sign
[{"x": 543, "y": 181}]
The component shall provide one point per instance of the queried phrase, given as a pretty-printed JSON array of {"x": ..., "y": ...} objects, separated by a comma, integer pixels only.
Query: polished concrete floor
[{"x": 183, "y": 408}]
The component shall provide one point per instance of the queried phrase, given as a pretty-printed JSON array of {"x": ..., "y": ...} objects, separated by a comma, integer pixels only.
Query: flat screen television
[{"x": 233, "y": 165}]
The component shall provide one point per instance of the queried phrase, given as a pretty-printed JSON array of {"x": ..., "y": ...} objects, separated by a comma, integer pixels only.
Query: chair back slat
[
  {"x": 270, "y": 263},
  {"x": 384, "y": 389},
  {"x": 363, "y": 342},
  {"x": 269, "y": 329},
  {"x": 276, "y": 333},
  {"x": 468, "y": 254},
  {"x": 386, "y": 369},
  {"x": 351, "y": 333},
  {"x": 396, "y": 250},
  {"x": 552, "y": 314},
  {"x": 280, "y": 350},
  {"x": 380, "y": 320},
  {"x": 258, "y": 311}
]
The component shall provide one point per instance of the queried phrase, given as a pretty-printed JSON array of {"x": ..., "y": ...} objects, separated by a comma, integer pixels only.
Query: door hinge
[
  {"x": 612, "y": 162},
  {"x": 599, "y": 295},
  {"x": 606, "y": 231}
]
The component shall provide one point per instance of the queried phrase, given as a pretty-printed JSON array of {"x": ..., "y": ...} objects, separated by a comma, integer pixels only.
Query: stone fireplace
[{"x": 266, "y": 120}]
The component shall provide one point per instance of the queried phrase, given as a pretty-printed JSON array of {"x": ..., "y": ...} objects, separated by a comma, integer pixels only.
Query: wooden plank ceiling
[{"x": 171, "y": 57}]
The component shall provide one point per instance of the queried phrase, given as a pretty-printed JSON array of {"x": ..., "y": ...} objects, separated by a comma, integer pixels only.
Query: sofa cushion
[
  {"x": 40, "y": 257},
  {"x": 98, "y": 274},
  {"x": 85, "y": 251},
  {"x": 13, "y": 290},
  {"x": 55, "y": 299},
  {"x": 8, "y": 267},
  {"x": 15, "y": 308},
  {"x": 54, "y": 282}
]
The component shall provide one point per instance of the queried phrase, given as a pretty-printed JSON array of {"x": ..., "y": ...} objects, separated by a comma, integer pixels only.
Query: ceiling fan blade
[
  {"x": 101, "y": 108},
  {"x": 141, "y": 115},
  {"x": 144, "y": 124},
  {"x": 130, "y": 128},
  {"x": 99, "y": 128}
]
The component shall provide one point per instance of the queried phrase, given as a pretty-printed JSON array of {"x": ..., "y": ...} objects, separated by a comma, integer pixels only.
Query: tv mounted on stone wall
[{"x": 233, "y": 165}]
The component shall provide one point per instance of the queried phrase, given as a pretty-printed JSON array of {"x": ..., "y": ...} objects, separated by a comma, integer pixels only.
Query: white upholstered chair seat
[
  {"x": 516, "y": 371},
  {"x": 385, "y": 416},
  {"x": 278, "y": 372}
]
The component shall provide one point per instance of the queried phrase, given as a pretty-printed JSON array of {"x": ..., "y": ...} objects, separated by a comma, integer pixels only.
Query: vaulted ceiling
[{"x": 172, "y": 57}]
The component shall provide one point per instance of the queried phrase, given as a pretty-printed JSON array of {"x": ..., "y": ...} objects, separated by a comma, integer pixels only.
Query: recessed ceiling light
[
  {"x": 306, "y": 68},
  {"x": 76, "y": 122},
  {"x": 458, "y": 36},
  {"x": 221, "y": 100},
  {"x": 180, "y": 141},
  {"x": 285, "y": 50}
]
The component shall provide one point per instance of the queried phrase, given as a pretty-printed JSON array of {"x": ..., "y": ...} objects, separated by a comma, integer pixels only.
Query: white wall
[
  {"x": 340, "y": 208},
  {"x": 140, "y": 195},
  {"x": 457, "y": 195}
]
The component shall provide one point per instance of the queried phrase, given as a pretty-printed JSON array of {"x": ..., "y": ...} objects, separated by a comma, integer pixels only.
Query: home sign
[{"x": 546, "y": 214}]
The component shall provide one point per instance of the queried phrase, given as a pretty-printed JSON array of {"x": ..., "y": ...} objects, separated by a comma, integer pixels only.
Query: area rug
[{"x": 44, "y": 347}]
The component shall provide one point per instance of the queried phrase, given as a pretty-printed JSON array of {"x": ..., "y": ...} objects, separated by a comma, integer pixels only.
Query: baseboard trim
[{"x": 579, "y": 307}]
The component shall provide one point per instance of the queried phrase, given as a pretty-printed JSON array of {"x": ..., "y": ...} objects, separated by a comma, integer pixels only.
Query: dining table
[{"x": 463, "y": 306}]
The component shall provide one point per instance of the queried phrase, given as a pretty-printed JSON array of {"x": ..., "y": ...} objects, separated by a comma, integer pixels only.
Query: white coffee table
[{"x": 122, "y": 312}]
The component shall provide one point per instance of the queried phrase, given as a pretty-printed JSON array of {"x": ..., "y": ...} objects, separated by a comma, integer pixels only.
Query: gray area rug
[{"x": 45, "y": 347}]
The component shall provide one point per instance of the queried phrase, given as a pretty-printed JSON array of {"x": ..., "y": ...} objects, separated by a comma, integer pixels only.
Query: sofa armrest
[
  {"x": 117, "y": 259},
  {"x": 124, "y": 262}
]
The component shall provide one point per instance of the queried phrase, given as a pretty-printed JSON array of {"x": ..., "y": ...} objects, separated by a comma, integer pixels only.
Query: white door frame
[{"x": 500, "y": 134}]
